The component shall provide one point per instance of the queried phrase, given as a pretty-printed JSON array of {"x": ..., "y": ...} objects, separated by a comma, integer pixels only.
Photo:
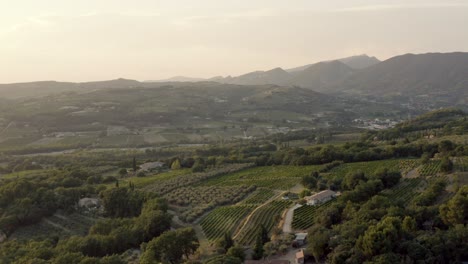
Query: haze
[{"x": 105, "y": 39}]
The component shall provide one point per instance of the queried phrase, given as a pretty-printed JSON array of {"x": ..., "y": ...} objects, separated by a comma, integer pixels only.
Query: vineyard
[
  {"x": 223, "y": 220},
  {"x": 259, "y": 196},
  {"x": 404, "y": 191},
  {"x": 371, "y": 167},
  {"x": 274, "y": 177},
  {"x": 268, "y": 216},
  {"x": 430, "y": 168},
  {"x": 219, "y": 195},
  {"x": 194, "y": 178},
  {"x": 304, "y": 215},
  {"x": 61, "y": 226},
  {"x": 461, "y": 164}
]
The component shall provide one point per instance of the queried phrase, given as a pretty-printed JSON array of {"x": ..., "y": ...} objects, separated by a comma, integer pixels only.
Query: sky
[{"x": 89, "y": 40}]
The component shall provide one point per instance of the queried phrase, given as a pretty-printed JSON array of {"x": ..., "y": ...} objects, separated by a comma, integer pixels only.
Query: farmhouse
[
  {"x": 300, "y": 239},
  {"x": 151, "y": 166},
  {"x": 300, "y": 257},
  {"x": 89, "y": 202},
  {"x": 320, "y": 197}
]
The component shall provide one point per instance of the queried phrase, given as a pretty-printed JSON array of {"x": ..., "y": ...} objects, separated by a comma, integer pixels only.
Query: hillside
[
  {"x": 276, "y": 76},
  {"x": 355, "y": 62},
  {"x": 440, "y": 77},
  {"x": 319, "y": 76}
]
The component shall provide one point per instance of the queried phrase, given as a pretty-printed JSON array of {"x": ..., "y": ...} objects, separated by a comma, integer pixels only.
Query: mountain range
[{"x": 432, "y": 79}]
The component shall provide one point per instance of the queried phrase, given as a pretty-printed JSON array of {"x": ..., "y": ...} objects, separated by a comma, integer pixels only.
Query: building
[
  {"x": 300, "y": 257},
  {"x": 152, "y": 166},
  {"x": 320, "y": 197},
  {"x": 300, "y": 239}
]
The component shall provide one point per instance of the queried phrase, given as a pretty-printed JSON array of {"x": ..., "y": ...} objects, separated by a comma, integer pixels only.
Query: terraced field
[
  {"x": 430, "y": 168},
  {"x": 274, "y": 177},
  {"x": 404, "y": 191},
  {"x": 259, "y": 196},
  {"x": 402, "y": 165},
  {"x": 268, "y": 216},
  {"x": 223, "y": 220},
  {"x": 304, "y": 216},
  {"x": 59, "y": 225}
]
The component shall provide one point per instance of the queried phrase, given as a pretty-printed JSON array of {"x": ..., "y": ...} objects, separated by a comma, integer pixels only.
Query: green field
[
  {"x": 404, "y": 191},
  {"x": 274, "y": 177},
  {"x": 430, "y": 168},
  {"x": 58, "y": 224},
  {"x": 223, "y": 220},
  {"x": 259, "y": 196},
  {"x": 304, "y": 216},
  {"x": 402, "y": 165},
  {"x": 268, "y": 216},
  {"x": 141, "y": 182}
]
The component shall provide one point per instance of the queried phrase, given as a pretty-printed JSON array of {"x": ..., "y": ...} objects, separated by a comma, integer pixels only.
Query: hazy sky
[{"x": 84, "y": 40}]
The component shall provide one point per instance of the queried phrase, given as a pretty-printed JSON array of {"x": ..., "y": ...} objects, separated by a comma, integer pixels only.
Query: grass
[
  {"x": 25, "y": 174},
  {"x": 274, "y": 177}
]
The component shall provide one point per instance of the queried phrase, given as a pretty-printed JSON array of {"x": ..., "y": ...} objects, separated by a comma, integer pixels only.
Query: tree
[
  {"x": 134, "y": 164},
  {"x": 226, "y": 242},
  {"x": 258, "y": 249},
  {"x": 237, "y": 252},
  {"x": 446, "y": 164},
  {"x": 319, "y": 242},
  {"x": 122, "y": 172},
  {"x": 175, "y": 165},
  {"x": 170, "y": 247},
  {"x": 455, "y": 211},
  {"x": 381, "y": 238}
]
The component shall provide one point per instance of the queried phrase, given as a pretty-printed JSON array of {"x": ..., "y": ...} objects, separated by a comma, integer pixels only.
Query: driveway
[{"x": 287, "y": 226}]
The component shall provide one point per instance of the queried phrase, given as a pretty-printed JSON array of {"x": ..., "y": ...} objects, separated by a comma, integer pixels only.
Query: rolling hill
[{"x": 440, "y": 77}]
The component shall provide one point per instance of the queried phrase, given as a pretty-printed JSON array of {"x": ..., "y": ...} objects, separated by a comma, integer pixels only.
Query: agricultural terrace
[
  {"x": 268, "y": 216},
  {"x": 370, "y": 167},
  {"x": 430, "y": 168},
  {"x": 274, "y": 177},
  {"x": 193, "y": 202},
  {"x": 304, "y": 216},
  {"x": 224, "y": 220},
  {"x": 193, "y": 178},
  {"x": 141, "y": 182},
  {"x": 404, "y": 191},
  {"x": 260, "y": 196}
]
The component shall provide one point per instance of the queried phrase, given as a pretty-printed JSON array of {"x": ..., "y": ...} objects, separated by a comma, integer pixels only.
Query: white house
[{"x": 320, "y": 197}]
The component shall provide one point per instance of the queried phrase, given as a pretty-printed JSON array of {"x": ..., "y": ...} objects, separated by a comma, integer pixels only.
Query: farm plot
[
  {"x": 274, "y": 177},
  {"x": 372, "y": 166},
  {"x": 461, "y": 164},
  {"x": 141, "y": 182},
  {"x": 430, "y": 168},
  {"x": 259, "y": 196},
  {"x": 194, "y": 178},
  {"x": 304, "y": 216},
  {"x": 59, "y": 225},
  {"x": 405, "y": 191},
  {"x": 223, "y": 220},
  {"x": 268, "y": 216},
  {"x": 219, "y": 195}
]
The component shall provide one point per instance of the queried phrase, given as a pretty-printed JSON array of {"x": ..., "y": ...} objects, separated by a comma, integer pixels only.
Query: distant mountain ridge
[
  {"x": 355, "y": 62},
  {"x": 435, "y": 76}
]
